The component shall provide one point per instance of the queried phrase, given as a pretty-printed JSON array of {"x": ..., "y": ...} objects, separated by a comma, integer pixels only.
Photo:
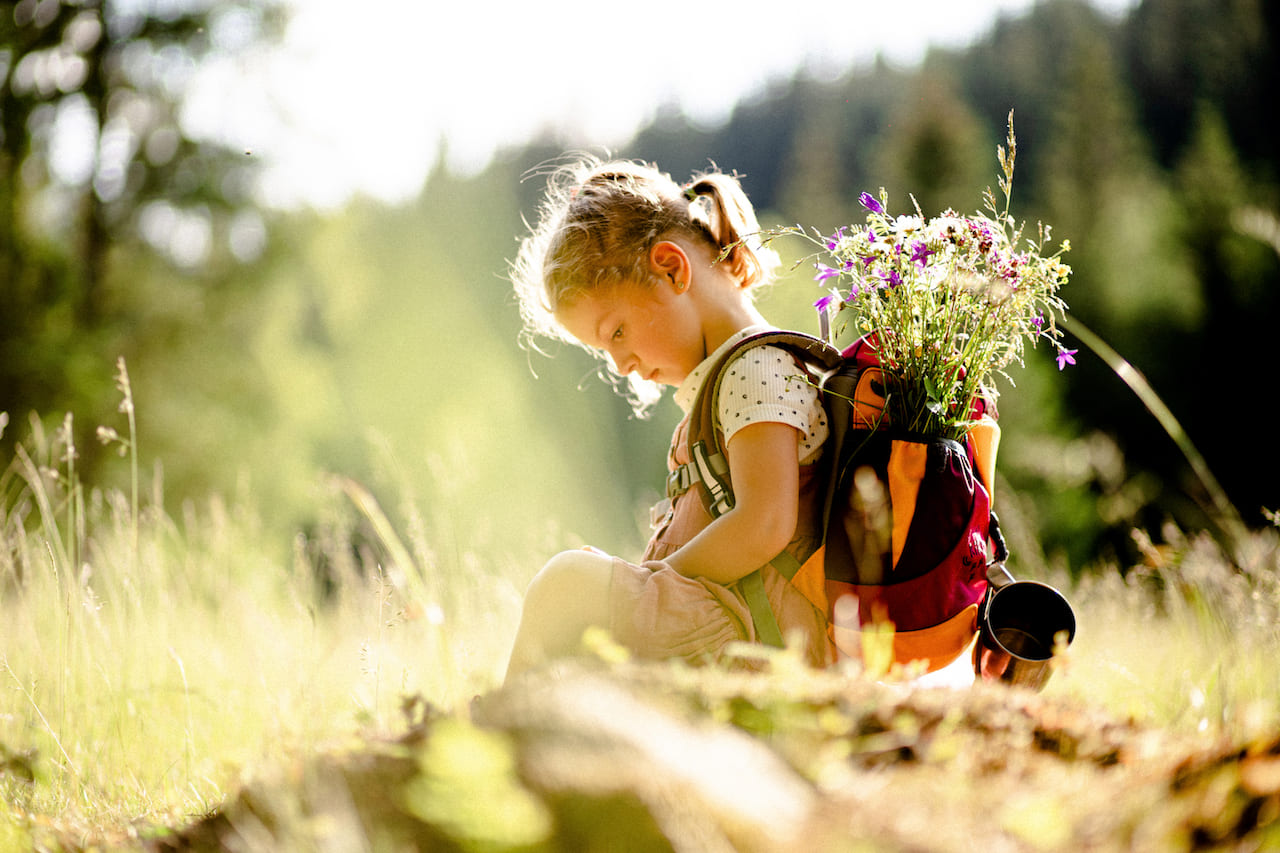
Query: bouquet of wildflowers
[{"x": 947, "y": 303}]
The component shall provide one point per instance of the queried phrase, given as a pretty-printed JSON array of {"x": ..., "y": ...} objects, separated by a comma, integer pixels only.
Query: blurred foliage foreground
[
  {"x": 667, "y": 758},
  {"x": 170, "y": 684}
]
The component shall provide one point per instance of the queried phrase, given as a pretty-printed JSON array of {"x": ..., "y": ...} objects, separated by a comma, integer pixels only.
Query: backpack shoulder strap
[
  {"x": 706, "y": 451},
  {"x": 711, "y": 464}
]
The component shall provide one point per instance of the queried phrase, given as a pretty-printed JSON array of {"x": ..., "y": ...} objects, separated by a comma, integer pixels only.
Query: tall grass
[
  {"x": 1188, "y": 639},
  {"x": 148, "y": 661}
]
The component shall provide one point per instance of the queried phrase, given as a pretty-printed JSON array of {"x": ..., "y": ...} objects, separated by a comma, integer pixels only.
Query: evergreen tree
[
  {"x": 1239, "y": 283},
  {"x": 1181, "y": 53},
  {"x": 119, "y": 227},
  {"x": 935, "y": 148}
]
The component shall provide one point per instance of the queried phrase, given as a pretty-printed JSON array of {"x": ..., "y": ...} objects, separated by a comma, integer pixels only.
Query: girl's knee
[
  {"x": 569, "y": 595},
  {"x": 571, "y": 573}
]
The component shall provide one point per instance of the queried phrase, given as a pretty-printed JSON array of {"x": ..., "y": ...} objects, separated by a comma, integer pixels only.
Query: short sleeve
[{"x": 766, "y": 384}]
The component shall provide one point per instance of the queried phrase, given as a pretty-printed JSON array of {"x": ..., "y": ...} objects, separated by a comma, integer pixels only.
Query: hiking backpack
[{"x": 906, "y": 519}]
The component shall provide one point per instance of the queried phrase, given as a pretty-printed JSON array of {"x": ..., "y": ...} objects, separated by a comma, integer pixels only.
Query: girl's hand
[
  {"x": 991, "y": 663},
  {"x": 766, "y": 486}
]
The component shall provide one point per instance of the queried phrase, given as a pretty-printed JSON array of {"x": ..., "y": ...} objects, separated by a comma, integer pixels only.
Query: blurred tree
[
  {"x": 1020, "y": 65},
  {"x": 1099, "y": 187},
  {"x": 1181, "y": 53},
  {"x": 120, "y": 229},
  {"x": 814, "y": 184},
  {"x": 830, "y": 161},
  {"x": 1239, "y": 283},
  {"x": 1097, "y": 182},
  {"x": 936, "y": 148},
  {"x": 756, "y": 139},
  {"x": 672, "y": 141}
]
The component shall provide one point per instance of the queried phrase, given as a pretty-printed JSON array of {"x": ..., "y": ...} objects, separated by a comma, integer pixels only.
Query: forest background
[{"x": 269, "y": 349}]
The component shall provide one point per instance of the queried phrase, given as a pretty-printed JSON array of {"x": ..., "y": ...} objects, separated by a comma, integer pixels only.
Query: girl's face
[{"x": 652, "y": 330}]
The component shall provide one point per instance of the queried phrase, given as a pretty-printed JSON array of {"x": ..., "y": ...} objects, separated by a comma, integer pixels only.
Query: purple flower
[
  {"x": 1066, "y": 356},
  {"x": 825, "y": 272},
  {"x": 920, "y": 254},
  {"x": 834, "y": 239},
  {"x": 891, "y": 278},
  {"x": 870, "y": 203},
  {"x": 825, "y": 302}
]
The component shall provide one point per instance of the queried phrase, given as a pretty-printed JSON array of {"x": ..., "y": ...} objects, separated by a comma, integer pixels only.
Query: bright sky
[{"x": 361, "y": 95}]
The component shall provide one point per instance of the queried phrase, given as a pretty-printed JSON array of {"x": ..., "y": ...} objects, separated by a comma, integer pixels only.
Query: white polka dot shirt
[{"x": 763, "y": 384}]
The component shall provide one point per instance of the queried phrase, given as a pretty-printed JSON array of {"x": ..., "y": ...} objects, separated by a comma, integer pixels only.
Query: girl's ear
[{"x": 669, "y": 261}]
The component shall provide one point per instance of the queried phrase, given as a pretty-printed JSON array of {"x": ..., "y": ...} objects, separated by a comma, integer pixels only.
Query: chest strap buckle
[{"x": 681, "y": 480}]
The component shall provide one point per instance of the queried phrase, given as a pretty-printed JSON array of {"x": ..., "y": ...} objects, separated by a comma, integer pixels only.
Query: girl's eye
[{"x": 617, "y": 334}]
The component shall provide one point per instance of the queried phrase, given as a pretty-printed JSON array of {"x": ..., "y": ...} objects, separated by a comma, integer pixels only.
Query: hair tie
[{"x": 690, "y": 193}]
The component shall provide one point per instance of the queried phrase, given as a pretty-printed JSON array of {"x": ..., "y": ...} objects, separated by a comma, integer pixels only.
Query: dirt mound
[{"x": 664, "y": 757}]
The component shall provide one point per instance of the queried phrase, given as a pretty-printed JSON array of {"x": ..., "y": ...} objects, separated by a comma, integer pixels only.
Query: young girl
[{"x": 658, "y": 279}]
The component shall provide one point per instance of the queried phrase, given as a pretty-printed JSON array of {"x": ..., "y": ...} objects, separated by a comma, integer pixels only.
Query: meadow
[
  {"x": 152, "y": 663},
  {"x": 149, "y": 661}
]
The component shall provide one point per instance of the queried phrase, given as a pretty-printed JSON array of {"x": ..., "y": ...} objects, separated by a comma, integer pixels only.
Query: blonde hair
[{"x": 599, "y": 219}]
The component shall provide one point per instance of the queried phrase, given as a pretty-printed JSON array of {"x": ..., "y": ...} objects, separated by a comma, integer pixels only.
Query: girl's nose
[{"x": 623, "y": 362}]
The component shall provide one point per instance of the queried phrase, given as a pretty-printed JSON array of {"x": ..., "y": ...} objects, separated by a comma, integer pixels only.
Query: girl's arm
[{"x": 766, "y": 487}]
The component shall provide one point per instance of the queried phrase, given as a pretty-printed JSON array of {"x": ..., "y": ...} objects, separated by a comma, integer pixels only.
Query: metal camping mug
[{"x": 1023, "y": 619}]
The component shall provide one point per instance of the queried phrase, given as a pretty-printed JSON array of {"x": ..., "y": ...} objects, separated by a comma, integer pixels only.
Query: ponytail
[{"x": 720, "y": 207}]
